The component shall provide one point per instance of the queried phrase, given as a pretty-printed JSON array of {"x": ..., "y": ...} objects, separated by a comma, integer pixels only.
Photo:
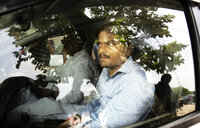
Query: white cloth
[{"x": 56, "y": 60}]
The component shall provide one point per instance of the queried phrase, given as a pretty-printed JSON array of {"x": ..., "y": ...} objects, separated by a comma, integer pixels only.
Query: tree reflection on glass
[{"x": 139, "y": 24}]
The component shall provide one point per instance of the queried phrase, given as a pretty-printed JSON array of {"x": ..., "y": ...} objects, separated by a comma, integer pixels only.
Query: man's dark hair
[
  {"x": 109, "y": 29},
  {"x": 166, "y": 77},
  {"x": 72, "y": 39}
]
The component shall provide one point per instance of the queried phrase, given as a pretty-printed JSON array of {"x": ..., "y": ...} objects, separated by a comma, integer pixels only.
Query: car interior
[{"x": 165, "y": 34}]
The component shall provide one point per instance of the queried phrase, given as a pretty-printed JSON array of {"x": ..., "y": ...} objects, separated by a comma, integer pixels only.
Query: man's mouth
[{"x": 104, "y": 56}]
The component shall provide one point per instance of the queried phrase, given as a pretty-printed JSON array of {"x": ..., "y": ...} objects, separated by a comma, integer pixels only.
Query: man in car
[
  {"x": 125, "y": 95},
  {"x": 163, "y": 92},
  {"x": 80, "y": 64},
  {"x": 80, "y": 67}
]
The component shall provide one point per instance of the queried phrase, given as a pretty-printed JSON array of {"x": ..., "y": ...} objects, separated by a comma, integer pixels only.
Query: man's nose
[{"x": 102, "y": 49}]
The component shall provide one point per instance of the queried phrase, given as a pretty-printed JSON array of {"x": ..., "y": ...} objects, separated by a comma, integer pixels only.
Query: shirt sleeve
[
  {"x": 132, "y": 104},
  {"x": 91, "y": 107},
  {"x": 91, "y": 111},
  {"x": 82, "y": 71}
]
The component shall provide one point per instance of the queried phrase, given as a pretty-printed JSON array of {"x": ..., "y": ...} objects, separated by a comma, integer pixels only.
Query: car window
[
  {"x": 162, "y": 49},
  {"x": 32, "y": 45}
]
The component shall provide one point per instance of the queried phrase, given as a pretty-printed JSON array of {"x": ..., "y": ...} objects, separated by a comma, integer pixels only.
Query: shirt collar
[
  {"x": 125, "y": 68},
  {"x": 78, "y": 53}
]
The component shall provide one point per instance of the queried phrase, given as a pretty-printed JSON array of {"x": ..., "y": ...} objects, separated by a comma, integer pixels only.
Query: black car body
[{"x": 41, "y": 19}]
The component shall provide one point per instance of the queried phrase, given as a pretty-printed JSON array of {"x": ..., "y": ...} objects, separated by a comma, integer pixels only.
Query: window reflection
[
  {"x": 182, "y": 83},
  {"x": 161, "y": 46}
]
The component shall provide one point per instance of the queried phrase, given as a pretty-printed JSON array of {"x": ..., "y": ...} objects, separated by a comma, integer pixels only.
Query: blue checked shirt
[{"x": 124, "y": 98}]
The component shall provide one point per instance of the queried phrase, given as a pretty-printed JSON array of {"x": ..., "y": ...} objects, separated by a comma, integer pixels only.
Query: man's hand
[
  {"x": 45, "y": 92},
  {"x": 55, "y": 94},
  {"x": 71, "y": 122}
]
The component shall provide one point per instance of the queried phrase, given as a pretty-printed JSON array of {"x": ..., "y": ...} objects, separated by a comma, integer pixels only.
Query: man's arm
[
  {"x": 129, "y": 106},
  {"x": 91, "y": 108},
  {"x": 49, "y": 45},
  {"x": 64, "y": 53}
]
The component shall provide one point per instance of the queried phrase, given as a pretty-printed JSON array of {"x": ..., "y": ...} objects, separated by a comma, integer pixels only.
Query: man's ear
[{"x": 129, "y": 49}]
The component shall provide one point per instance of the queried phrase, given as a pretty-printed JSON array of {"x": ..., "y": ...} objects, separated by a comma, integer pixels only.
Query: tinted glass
[{"x": 43, "y": 40}]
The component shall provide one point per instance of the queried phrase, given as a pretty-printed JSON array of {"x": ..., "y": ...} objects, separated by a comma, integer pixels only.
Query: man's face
[
  {"x": 112, "y": 53},
  {"x": 73, "y": 48}
]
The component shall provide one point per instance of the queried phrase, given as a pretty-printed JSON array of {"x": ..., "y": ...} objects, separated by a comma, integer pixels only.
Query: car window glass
[
  {"x": 161, "y": 46},
  {"x": 182, "y": 82}
]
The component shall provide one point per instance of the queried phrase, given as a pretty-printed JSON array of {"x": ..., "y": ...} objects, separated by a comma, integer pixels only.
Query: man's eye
[
  {"x": 98, "y": 44},
  {"x": 118, "y": 44},
  {"x": 75, "y": 118},
  {"x": 110, "y": 44}
]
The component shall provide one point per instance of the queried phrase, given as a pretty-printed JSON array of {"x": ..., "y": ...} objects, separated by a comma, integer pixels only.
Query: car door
[{"x": 165, "y": 35}]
